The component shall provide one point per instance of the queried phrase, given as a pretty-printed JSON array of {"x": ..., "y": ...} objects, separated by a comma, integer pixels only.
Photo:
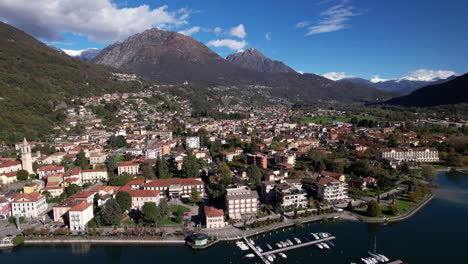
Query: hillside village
[{"x": 142, "y": 158}]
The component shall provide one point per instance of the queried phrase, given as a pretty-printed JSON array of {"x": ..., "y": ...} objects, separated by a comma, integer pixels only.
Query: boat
[
  {"x": 377, "y": 257},
  {"x": 331, "y": 244},
  {"x": 283, "y": 255},
  {"x": 365, "y": 261},
  {"x": 319, "y": 246},
  {"x": 250, "y": 255},
  {"x": 279, "y": 245},
  {"x": 270, "y": 258},
  {"x": 325, "y": 245},
  {"x": 290, "y": 243},
  {"x": 297, "y": 240},
  {"x": 373, "y": 260},
  {"x": 269, "y": 246},
  {"x": 251, "y": 242},
  {"x": 314, "y": 235},
  {"x": 383, "y": 257},
  {"x": 259, "y": 249}
]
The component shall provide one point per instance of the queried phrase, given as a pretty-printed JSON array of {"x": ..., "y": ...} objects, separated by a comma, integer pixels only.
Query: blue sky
[{"x": 364, "y": 38}]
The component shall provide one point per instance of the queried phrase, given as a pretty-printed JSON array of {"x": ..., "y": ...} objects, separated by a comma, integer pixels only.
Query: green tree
[
  {"x": 111, "y": 213},
  {"x": 162, "y": 171},
  {"x": 124, "y": 200},
  {"x": 195, "y": 195},
  {"x": 81, "y": 160},
  {"x": 111, "y": 164},
  {"x": 120, "y": 142},
  {"x": 394, "y": 209},
  {"x": 147, "y": 171},
  {"x": 254, "y": 175},
  {"x": 428, "y": 172},
  {"x": 120, "y": 180},
  {"x": 72, "y": 189},
  {"x": 190, "y": 167},
  {"x": 373, "y": 209},
  {"x": 225, "y": 174},
  {"x": 405, "y": 168},
  {"x": 150, "y": 212},
  {"x": 163, "y": 209},
  {"x": 22, "y": 175},
  {"x": 179, "y": 215}
]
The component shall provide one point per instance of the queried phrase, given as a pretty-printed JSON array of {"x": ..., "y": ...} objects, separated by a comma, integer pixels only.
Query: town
[{"x": 137, "y": 160}]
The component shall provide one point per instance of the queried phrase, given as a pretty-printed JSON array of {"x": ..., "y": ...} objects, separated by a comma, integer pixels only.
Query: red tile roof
[
  {"x": 128, "y": 163},
  {"x": 143, "y": 193},
  {"x": 81, "y": 207},
  {"x": 168, "y": 182},
  {"x": 211, "y": 211},
  {"x": 50, "y": 168}
]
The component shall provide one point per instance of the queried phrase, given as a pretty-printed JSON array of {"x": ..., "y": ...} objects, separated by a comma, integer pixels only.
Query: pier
[
  {"x": 305, "y": 244},
  {"x": 255, "y": 250}
]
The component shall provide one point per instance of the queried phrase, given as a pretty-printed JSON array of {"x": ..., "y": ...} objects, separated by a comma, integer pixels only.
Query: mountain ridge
[{"x": 253, "y": 59}]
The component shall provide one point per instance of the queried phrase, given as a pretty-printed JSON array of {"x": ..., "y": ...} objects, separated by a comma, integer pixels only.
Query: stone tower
[{"x": 26, "y": 158}]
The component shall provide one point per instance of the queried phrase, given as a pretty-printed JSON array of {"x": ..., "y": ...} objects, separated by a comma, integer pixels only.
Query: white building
[
  {"x": 192, "y": 142},
  {"x": 79, "y": 215},
  {"x": 331, "y": 190},
  {"x": 410, "y": 154},
  {"x": 214, "y": 218},
  {"x": 29, "y": 205},
  {"x": 289, "y": 195},
  {"x": 94, "y": 176},
  {"x": 140, "y": 197},
  {"x": 241, "y": 203}
]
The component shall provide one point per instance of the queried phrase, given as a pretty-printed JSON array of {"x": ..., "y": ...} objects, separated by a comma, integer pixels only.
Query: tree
[
  {"x": 225, "y": 174},
  {"x": 428, "y": 172},
  {"x": 111, "y": 164},
  {"x": 405, "y": 168},
  {"x": 254, "y": 175},
  {"x": 373, "y": 209},
  {"x": 150, "y": 212},
  {"x": 179, "y": 215},
  {"x": 120, "y": 180},
  {"x": 195, "y": 195},
  {"x": 81, "y": 160},
  {"x": 22, "y": 175},
  {"x": 162, "y": 171},
  {"x": 190, "y": 167},
  {"x": 394, "y": 209},
  {"x": 454, "y": 159},
  {"x": 147, "y": 171},
  {"x": 72, "y": 189},
  {"x": 163, "y": 208},
  {"x": 111, "y": 213},
  {"x": 124, "y": 200},
  {"x": 120, "y": 142}
]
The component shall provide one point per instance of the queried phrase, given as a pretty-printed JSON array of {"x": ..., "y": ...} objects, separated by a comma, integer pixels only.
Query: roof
[
  {"x": 128, "y": 163},
  {"x": 326, "y": 180},
  {"x": 169, "y": 182},
  {"x": 331, "y": 174},
  {"x": 81, "y": 207},
  {"x": 143, "y": 193},
  {"x": 94, "y": 170},
  {"x": 10, "y": 164},
  {"x": 83, "y": 194},
  {"x": 211, "y": 211},
  {"x": 29, "y": 197},
  {"x": 50, "y": 168}
]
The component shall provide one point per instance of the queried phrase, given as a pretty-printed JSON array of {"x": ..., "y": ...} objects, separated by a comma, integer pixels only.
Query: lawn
[
  {"x": 175, "y": 208},
  {"x": 404, "y": 205}
]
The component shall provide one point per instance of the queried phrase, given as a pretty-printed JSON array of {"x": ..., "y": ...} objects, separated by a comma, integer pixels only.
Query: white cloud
[
  {"x": 427, "y": 75},
  {"x": 75, "y": 53},
  {"x": 100, "y": 20},
  {"x": 334, "y": 19},
  {"x": 376, "y": 79},
  {"x": 190, "y": 31},
  {"x": 302, "y": 24},
  {"x": 268, "y": 36},
  {"x": 238, "y": 31},
  {"x": 301, "y": 72},
  {"x": 228, "y": 43},
  {"x": 217, "y": 30},
  {"x": 335, "y": 76}
]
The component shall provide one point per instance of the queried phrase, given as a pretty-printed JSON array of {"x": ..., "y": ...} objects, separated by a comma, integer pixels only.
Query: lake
[{"x": 436, "y": 234}]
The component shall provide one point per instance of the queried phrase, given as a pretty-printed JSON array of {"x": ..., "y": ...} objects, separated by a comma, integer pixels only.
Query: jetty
[{"x": 279, "y": 250}]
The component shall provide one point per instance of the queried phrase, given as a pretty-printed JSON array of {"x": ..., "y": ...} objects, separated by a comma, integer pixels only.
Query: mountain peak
[{"x": 253, "y": 59}]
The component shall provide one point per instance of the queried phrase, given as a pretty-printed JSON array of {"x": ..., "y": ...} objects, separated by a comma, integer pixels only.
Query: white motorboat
[
  {"x": 251, "y": 242},
  {"x": 270, "y": 258},
  {"x": 376, "y": 257},
  {"x": 290, "y": 243},
  {"x": 284, "y": 244},
  {"x": 365, "y": 261},
  {"x": 325, "y": 245},
  {"x": 259, "y": 249},
  {"x": 250, "y": 255},
  {"x": 297, "y": 240},
  {"x": 283, "y": 255},
  {"x": 314, "y": 235},
  {"x": 319, "y": 246},
  {"x": 383, "y": 257},
  {"x": 279, "y": 245},
  {"x": 269, "y": 246}
]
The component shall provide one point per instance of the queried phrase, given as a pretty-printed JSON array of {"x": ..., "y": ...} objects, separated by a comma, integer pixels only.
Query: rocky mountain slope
[{"x": 254, "y": 60}]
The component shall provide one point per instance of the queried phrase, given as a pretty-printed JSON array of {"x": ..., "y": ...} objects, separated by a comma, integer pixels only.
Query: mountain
[
  {"x": 401, "y": 86},
  {"x": 86, "y": 54},
  {"x": 175, "y": 58},
  {"x": 35, "y": 79},
  {"x": 451, "y": 92},
  {"x": 254, "y": 60}
]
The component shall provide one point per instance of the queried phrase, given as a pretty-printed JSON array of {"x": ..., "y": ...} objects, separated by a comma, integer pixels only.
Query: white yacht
[
  {"x": 314, "y": 235},
  {"x": 297, "y": 240},
  {"x": 325, "y": 245},
  {"x": 290, "y": 243},
  {"x": 269, "y": 246},
  {"x": 283, "y": 255},
  {"x": 250, "y": 255},
  {"x": 270, "y": 258},
  {"x": 319, "y": 246},
  {"x": 259, "y": 249}
]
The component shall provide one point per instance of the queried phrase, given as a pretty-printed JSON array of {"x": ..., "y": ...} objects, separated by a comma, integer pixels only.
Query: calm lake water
[{"x": 436, "y": 234}]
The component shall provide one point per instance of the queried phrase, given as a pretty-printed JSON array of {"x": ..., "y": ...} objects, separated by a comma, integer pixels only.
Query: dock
[
  {"x": 305, "y": 244},
  {"x": 255, "y": 250}
]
